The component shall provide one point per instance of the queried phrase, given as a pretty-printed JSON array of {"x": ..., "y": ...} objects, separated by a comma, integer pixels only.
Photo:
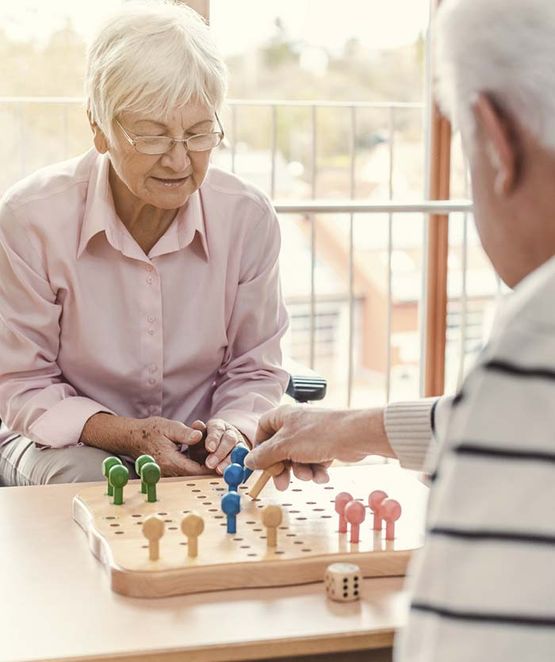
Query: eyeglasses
[{"x": 201, "y": 142}]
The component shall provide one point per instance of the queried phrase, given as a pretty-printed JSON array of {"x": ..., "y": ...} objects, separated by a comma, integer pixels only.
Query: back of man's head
[{"x": 504, "y": 48}]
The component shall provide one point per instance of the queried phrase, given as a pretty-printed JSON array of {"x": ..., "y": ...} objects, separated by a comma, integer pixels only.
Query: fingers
[
  {"x": 282, "y": 480},
  {"x": 266, "y": 454},
  {"x": 220, "y": 441},
  {"x": 178, "y": 465},
  {"x": 320, "y": 474},
  {"x": 180, "y": 433},
  {"x": 302, "y": 471}
]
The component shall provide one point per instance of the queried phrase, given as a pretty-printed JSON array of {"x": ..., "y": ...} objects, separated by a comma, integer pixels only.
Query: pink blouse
[{"x": 89, "y": 323}]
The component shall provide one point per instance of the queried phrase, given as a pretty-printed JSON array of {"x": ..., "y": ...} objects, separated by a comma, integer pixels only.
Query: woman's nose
[{"x": 177, "y": 157}]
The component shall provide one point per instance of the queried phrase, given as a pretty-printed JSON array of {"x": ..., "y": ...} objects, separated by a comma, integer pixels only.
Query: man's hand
[
  {"x": 162, "y": 438},
  {"x": 221, "y": 439},
  {"x": 308, "y": 439}
]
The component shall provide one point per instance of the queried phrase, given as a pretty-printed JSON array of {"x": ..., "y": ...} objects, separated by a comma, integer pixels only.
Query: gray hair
[
  {"x": 151, "y": 57},
  {"x": 503, "y": 48}
]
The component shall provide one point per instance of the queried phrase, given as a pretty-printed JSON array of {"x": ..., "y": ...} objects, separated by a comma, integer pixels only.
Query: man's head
[{"x": 496, "y": 82}]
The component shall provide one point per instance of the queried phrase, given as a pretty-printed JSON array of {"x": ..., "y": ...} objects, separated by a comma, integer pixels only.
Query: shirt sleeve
[
  {"x": 414, "y": 428},
  {"x": 35, "y": 401},
  {"x": 251, "y": 379}
]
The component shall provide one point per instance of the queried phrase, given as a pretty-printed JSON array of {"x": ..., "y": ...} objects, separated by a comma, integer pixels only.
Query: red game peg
[
  {"x": 341, "y": 500},
  {"x": 374, "y": 502},
  {"x": 355, "y": 513},
  {"x": 390, "y": 511}
]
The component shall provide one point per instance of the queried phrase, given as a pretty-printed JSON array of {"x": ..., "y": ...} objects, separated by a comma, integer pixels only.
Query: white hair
[
  {"x": 151, "y": 57},
  {"x": 502, "y": 48}
]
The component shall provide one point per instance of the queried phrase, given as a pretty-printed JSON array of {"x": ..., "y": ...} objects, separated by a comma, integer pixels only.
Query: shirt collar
[{"x": 100, "y": 216}]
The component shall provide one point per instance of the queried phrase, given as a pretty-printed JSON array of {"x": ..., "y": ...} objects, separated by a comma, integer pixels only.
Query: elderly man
[
  {"x": 484, "y": 583},
  {"x": 139, "y": 288}
]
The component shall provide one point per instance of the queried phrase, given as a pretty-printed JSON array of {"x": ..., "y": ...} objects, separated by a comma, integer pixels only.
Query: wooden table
[{"x": 57, "y": 603}]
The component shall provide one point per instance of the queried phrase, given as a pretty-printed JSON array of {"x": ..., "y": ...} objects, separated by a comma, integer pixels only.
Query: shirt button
[
  {"x": 152, "y": 367},
  {"x": 151, "y": 318},
  {"x": 150, "y": 332},
  {"x": 149, "y": 267},
  {"x": 151, "y": 381},
  {"x": 149, "y": 280}
]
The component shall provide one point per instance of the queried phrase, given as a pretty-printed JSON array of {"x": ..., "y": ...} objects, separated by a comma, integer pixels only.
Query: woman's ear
[{"x": 99, "y": 139}]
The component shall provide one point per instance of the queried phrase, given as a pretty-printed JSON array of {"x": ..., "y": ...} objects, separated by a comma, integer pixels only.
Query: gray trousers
[{"x": 24, "y": 463}]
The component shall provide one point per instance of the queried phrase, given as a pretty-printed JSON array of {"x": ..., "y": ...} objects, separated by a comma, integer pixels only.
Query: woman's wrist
[
  {"x": 367, "y": 433},
  {"x": 109, "y": 432}
]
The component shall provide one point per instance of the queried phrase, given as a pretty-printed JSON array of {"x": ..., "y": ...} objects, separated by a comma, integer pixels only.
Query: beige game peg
[
  {"x": 271, "y": 518},
  {"x": 192, "y": 526},
  {"x": 153, "y": 530},
  {"x": 268, "y": 473}
]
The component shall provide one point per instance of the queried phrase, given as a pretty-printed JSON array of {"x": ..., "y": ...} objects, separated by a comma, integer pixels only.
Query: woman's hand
[
  {"x": 221, "y": 439},
  {"x": 162, "y": 438}
]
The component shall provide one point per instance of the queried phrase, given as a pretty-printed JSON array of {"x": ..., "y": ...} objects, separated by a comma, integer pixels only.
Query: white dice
[{"x": 343, "y": 582}]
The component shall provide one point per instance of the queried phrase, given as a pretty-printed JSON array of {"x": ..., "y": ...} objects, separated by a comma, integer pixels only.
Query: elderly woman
[{"x": 140, "y": 305}]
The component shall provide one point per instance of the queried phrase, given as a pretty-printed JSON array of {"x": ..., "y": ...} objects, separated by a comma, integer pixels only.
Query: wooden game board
[{"x": 308, "y": 540}]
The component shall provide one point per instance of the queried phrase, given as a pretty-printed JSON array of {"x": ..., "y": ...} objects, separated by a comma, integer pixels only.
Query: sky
[{"x": 238, "y": 22}]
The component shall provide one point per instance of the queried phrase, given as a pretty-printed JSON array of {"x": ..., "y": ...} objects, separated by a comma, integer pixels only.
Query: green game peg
[
  {"x": 118, "y": 477},
  {"x": 150, "y": 474},
  {"x": 107, "y": 464},
  {"x": 142, "y": 459}
]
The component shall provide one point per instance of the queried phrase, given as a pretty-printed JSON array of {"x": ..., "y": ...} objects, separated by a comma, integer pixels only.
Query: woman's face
[{"x": 165, "y": 180}]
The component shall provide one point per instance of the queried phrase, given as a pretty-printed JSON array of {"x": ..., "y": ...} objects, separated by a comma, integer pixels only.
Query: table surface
[{"x": 57, "y": 603}]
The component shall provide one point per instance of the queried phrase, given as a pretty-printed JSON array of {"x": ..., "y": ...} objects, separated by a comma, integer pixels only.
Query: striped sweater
[{"x": 484, "y": 583}]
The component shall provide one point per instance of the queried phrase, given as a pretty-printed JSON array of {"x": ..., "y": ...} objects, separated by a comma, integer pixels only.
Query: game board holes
[
  {"x": 245, "y": 546},
  {"x": 218, "y": 516},
  {"x": 168, "y": 521},
  {"x": 212, "y": 510},
  {"x": 298, "y": 542},
  {"x": 328, "y": 487},
  {"x": 139, "y": 523},
  {"x": 238, "y": 539},
  {"x": 325, "y": 516},
  {"x": 214, "y": 482},
  {"x": 110, "y": 517},
  {"x": 162, "y": 513},
  {"x": 257, "y": 529},
  {"x": 289, "y": 504},
  {"x": 195, "y": 490},
  {"x": 318, "y": 510},
  {"x": 172, "y": 528},
  {"x": 262, "y": 537},
  {"x": 207, "y": 503},
  {"x": 251, "y": 522},
  {"x": 300, "y": 518},
  {"x": 135, "y": 515},
  {"x": 283, "y": 528},
  {"x": 190, "y": 484},
  {"x": 252, "y": 554},
  {"x": 119, "y": 533},
  {"x": 311, "y": 503},
  {"x": 223, "y": 523},
  {"x": 290, "y": 535},
  {"x": 294, "y": 512},
  {"x": 279, "y": 551},
  {"x": 296, "y": 489},
  {"x": 185, "y": 511},
  {"x": 144, "y": 546},
  {"x": 306, "y": 550}
]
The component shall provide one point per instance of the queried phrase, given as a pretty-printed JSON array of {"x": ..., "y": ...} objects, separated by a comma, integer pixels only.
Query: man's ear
[
  {"x": 99, "y": 139},
  {"x": 500, "y": 143}
]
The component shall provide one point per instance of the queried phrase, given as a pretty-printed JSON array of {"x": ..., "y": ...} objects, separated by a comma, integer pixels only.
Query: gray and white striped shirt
[{"x": 484, "y": 583}]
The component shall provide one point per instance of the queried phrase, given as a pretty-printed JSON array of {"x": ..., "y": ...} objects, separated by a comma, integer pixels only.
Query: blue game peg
[
  {"x": 233, "y": 476},
  {"x": 238, "y": 455},
  {"x": 231, "y": 506}
]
